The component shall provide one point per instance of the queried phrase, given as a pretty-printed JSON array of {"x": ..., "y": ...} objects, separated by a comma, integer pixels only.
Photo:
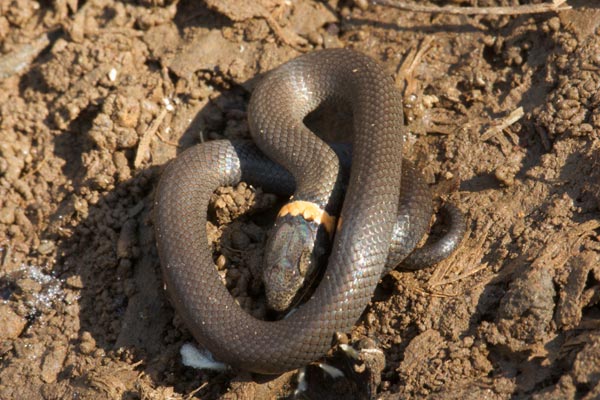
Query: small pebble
[
  {"x": 11, "y": 323},
  {"x": 360, "y": 36},
  {"x": 46, "y": 247},
  {"x": 7, "y": 215},
  {"x": 505, "y": 176},
  {"x": 366, "y": 343},
  {"x": 88, "y": 344},
  {"x": 28, "y": 286},
  {"x": 315, "y": 38},
  {"x": 75, "y": 282},
  {"x": 241, "y": 188},
  {"x": 53, "y": 363},
  {"x": 362, "y": 4},
  {"x": 341, "y": 338},
  {"x": 554, "y": 24},
  {"x": 220, "y": 203},
  {"x": 239, "y": 199},
  {"x": 221, "y": 262},
  {"x": 468, "y": 341}
]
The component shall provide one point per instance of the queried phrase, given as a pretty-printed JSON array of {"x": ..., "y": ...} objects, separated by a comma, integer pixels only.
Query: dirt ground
[{"x": 97, "y": 96}]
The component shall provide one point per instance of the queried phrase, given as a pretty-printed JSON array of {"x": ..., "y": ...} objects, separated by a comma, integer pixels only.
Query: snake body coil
[{"x": 362, "y": 241}]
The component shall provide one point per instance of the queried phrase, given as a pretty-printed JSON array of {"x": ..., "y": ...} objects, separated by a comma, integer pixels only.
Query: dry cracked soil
[{"x": 503, "y": 116}]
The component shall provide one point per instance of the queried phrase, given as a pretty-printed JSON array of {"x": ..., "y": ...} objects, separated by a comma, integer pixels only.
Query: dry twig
[
  {"x": 556, "y": 5},
  {"x": 166, "y": 141},
  {"x": 21, "y": 58},
  {"x": 499, "y": 126},
  {"x": 406, "y": 69},
  {"x": 453, "y": 270},
  {"x": 145, "y": 140}
]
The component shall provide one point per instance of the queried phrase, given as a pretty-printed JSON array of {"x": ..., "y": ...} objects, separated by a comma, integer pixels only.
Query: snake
[{"x": 285, "y": 157}]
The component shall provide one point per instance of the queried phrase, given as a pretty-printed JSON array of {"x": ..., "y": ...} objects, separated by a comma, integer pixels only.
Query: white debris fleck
[
  {"x": 193, "y": 357},
  {"x": 332, "y": 371},
  {"x": 371, "y": 351},
  {"x": 351, "y": 351},
  {"x": 302, "y": 383},
  {"x": 51, "y": 288},
  {"x": 112, "y": 74},
  {"x": 168, "y": 104}
]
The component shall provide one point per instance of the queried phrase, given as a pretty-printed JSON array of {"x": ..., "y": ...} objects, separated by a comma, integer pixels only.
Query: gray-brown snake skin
[{"x": 278, "y": 105}]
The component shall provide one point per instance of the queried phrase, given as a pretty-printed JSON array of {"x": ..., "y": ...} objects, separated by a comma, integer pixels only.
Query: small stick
[
  {"x": 7, "y": 253},
  {"x": 297, "y": 43},
  {"x": 39, "y": 166},
  {"x": 145, "y": 140},
  {"x": 191, "y": 394},
  {"x": 169, "y": 142},
  {"x": 556, "y": 5},
  {"x": 406, "y": 69},
  {"x": 513, "y": 117},
  {"x": 21, "y": 58}
]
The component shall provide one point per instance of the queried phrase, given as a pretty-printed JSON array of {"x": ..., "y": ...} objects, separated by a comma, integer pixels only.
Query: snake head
[{"x": 294, "y": 252}]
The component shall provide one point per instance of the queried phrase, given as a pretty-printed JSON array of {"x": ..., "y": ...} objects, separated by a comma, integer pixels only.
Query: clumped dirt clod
[{"x": 97, "y": 97}]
